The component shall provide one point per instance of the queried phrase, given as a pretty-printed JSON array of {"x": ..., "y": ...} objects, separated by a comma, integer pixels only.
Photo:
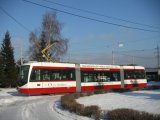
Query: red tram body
[{"x": 48, "y": 78}]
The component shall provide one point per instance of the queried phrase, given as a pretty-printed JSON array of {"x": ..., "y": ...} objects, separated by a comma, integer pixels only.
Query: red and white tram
[{"x": 46, "y": 78}]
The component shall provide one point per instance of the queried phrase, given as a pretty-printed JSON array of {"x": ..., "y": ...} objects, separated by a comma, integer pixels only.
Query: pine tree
[
  {"x": 10, "y": 71},
  {"x": 1, "y": 70}
]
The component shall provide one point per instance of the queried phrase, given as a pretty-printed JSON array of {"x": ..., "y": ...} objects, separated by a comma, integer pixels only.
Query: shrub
[
  {"x": 75, "y": 95},
  {"x": 120, "y": 90},
  {"x": 79, "y": 109},
  {"x": 129, "y": 114},
  {"x": 92, "y": 110},
  {"x": 89, "y": 93},
  {"x": 100, "y": 91},
  {"x": 68, "y": 102}
]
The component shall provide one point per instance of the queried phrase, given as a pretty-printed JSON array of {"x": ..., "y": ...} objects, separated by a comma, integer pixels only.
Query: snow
[
  {"x": 14, "y": 106},
  {"x": 10, "y": 96},
  {"x": 148, "y": 101}
]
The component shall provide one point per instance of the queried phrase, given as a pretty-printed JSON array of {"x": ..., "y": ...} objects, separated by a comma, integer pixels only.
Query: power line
[
  {"x": 147, "y": 58},
  {"x": 20, "y": 24},
  {"x": 143, "y": 50},
  {"x": 158, "y": 57},
  {"x": 98, "y": 14},
  {"x": 92, "y": 19}
]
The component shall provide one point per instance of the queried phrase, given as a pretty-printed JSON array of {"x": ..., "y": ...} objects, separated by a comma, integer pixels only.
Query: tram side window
[
  {"x": 115, "y": 76},
  {"x": 103, "y": 76},
  {"x": 88, "y": 77},
  {"x": 63, "y": 75},
  {"x": 128, "y": 74},
  {"x": 35, "y": 75},
  {"x": 100, "y": 76},
  {"x": 134, "y": 74},
  {"x": 49, "y": 74},
  {"x": 45, "y": 74},
  {"x": 139, "y": 74}
]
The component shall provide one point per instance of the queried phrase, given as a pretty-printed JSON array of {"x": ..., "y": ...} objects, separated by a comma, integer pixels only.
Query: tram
[{"x": 48, "y": 77}]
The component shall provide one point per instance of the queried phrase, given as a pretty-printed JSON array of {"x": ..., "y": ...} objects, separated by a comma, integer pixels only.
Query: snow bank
[{"x": 148, "y": 101}]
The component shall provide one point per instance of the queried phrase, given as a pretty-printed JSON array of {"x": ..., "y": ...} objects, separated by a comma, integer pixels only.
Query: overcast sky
[{"x": 92, "y": 38}]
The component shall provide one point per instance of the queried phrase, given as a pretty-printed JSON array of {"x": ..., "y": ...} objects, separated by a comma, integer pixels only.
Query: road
[
  {"x": 37, "y": 109},
  {"x": 14, "y": 106}
]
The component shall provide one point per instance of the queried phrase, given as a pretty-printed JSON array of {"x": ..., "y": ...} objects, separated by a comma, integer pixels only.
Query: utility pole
[
  {"x": 113, "y": 52},
  {"x": 133, "y": 60},
  {"x": 158, "y": 67},
  {"x": 158, "y": 56},
  {"x": 113, "y": 58}
]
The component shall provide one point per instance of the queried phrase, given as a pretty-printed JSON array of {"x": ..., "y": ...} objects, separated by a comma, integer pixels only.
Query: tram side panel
[
  {"x": 44, "y": 80},
  {"x": 78, "y": 78},
  {"x": 134, "y": 76},
  {"x": 94, "y": 79}
]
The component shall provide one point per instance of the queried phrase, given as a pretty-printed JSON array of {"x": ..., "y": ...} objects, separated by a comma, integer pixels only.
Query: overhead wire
[
  {"x": 92, "y": 19},
  {"x": 99, "y": 14},
  {"x": 142, "y": 50},
  {"x": 14, "y": 19},
  {"x": 146, "y": 58}
]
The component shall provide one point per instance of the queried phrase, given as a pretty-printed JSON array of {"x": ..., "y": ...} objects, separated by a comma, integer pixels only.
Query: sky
[{"x": 92, "y": 38}]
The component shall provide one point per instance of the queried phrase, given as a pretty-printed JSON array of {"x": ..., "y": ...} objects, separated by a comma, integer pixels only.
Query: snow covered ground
[
  {"x": 148, "y": 101},
  {"x": 14, "y": 106}
]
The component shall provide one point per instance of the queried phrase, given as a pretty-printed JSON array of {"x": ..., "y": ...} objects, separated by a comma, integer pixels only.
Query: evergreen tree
[
  {"x": 10, "y": 71},
  {"x": 1, "y": 70}
]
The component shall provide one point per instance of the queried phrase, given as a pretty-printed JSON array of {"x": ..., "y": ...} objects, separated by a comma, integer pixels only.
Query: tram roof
[{"x": 34, "y": 63}]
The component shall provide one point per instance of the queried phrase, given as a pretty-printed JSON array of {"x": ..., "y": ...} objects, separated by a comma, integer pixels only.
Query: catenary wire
[
  {"x": 99, "y": 14},
  {"x": 20, "y": 24},
  {"x": 92, "y": 19}
]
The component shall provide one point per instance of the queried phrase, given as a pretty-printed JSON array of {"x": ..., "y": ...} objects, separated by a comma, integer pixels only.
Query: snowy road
[
  {"x": 45, "y": 107},
  {"x": 40, "y": 108}
]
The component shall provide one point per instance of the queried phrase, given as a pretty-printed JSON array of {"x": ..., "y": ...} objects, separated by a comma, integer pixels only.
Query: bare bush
[
  {"x": 68, "y": 102},
  {"x": 92, "y": 110},
  {"x": 130, "y": 114}
]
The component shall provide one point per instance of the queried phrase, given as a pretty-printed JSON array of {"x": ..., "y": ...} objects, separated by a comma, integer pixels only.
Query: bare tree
[{"x": 48, "y": 44}]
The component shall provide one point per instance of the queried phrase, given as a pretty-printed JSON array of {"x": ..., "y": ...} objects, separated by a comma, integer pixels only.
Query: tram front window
[{"x": 23, "y": 76}]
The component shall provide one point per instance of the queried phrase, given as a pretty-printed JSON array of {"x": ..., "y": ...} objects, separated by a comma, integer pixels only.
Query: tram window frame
[
  {"x": 134, "y": 74},
  {"x": 139, "y": 74},
  {"x": 47, "y": 74},
  {"x": 100, "y": 76},
  {"x": 23, "y": 74},
  {"x": 35, "y": 75}
]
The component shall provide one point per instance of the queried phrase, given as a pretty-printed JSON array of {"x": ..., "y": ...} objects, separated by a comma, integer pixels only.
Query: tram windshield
[{"x": 23, "y": 75}]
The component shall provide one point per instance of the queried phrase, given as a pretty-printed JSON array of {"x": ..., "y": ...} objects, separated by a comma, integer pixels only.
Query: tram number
[{"x": 56, "y": 85}]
